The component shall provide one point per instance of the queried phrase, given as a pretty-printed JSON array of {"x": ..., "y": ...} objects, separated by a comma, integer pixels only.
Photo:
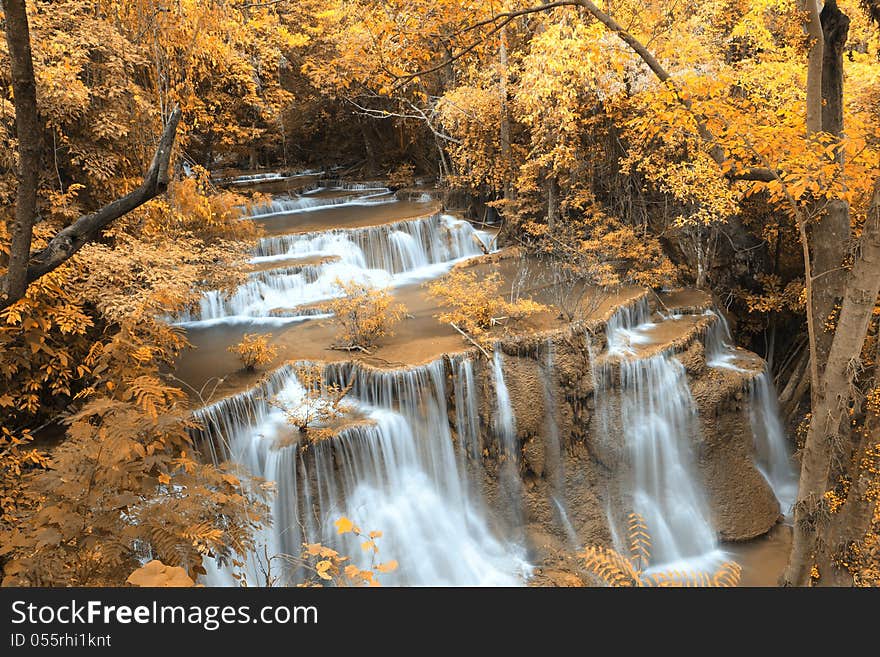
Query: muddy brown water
[{"x": 762, "y": 559}]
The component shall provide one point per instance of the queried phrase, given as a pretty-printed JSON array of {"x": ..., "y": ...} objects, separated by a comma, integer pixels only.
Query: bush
[
  {"x": 321, "y": 407},
  {"x": 476, "y": 302},
  {"x": 254, "y": 350},
  {"x": 365, "y": 314}
]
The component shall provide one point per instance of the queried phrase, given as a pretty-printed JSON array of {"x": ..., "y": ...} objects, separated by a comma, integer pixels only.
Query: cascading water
[
  {"x": 467, "y": 423},
  {"x": 382, "y": 256},
  {"x": 772, "y": 452},
  {"x": 505, "y": 420},
  {"x": 773, "y": 457},
  {"x": 311, "y": 202},
  {"x": 397, "y": 472},
  {"x": 658, "y": 420},
  {"x": 504, "y": 426}
]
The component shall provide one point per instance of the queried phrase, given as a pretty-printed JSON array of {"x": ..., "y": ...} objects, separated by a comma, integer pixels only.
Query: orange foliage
[
  {"x": 254, "y": 350},
  {"x": 365, "y": 315}
]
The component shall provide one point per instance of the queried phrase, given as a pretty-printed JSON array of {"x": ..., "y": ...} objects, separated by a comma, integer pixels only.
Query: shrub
[
  {"x": 619, "y": 570},
  {"x": 476, "y": 303},
  {"x": 402, "y": 176},
  {"x": 254, "y": 350},
  {"x": 322, "y": 405},
  {"x": 364, "y": 314}
]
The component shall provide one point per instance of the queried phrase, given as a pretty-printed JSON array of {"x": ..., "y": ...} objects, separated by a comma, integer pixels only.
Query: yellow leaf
[
  {"x": 344, "y": 525},
  {"x": 387, "y": 567},
  {"x": 322, "y": 567}
]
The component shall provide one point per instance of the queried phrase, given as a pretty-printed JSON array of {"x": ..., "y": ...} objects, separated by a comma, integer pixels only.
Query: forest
[{"x": 440, "y": 292}]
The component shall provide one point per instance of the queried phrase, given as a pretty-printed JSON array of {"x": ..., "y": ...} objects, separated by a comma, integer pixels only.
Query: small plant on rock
[
  {"x": 329, "y": 568},
  {"x": 618, "y": 570},
  {"x": 254, "y": 350},
  {"x": 323, "y": 404}
]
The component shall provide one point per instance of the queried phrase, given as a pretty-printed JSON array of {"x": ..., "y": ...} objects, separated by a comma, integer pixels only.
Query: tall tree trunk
[
  {"x": 830, "y": 236},
  {"x": 505, "y": 115},
  {"x": 830, "y": 389},
  {"x": 833, "y": 398},
  {"x": 813, "y": 29},
  {"x": 29, "y": 134}
]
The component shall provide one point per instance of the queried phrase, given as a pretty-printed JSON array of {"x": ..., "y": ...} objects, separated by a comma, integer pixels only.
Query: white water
[
  {"x": 658, "y": 420},
  {"x": 467, "y": 407},
  {"x": 773, "y": 456},
  {"x": 504, "y": 427},
  {"x": 504, "y": 420},
  {"x": 309, "y": 202},
  {"x": 398, "y": 474},
  {"x": 383, "y": 256}
]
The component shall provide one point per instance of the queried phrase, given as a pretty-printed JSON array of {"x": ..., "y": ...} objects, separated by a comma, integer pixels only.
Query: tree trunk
[
  {"x": 832, "y": 401},
  {"x": 29, "y": 134},
  {"x": 505, "y": 116},
  {"x": 552, "y": 201},
  {"x": 830, "y": 236},
  {"x": 813, "y": 28},
  {"x": 89, "y": 227}
]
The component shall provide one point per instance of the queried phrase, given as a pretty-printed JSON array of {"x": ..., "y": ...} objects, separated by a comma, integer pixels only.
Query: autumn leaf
[
  {"x": 322, "y": 567},
  {"x": 344, "y": 526}
]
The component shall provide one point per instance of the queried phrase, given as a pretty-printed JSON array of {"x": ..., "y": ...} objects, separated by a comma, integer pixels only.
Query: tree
[{"x": 24, "y": 267}]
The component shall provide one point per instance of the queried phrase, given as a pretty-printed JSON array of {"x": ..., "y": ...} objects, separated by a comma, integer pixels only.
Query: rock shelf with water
[{"x": 494, "y": 472}]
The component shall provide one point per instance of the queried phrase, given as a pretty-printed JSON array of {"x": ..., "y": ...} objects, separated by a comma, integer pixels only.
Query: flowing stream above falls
[{"x": 412, "y": 462}]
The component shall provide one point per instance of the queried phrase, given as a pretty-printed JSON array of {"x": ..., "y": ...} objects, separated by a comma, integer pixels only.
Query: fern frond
[
  {"x": 613, "y": 568},
  {"x": 639, "y": 541},
  {"x": 728, "y": 575}
]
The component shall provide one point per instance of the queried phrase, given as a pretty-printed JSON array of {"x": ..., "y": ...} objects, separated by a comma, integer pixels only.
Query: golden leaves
[
  {"x": 333, "y": 568},
  {"x": 365, "y": 314},
  {"x": 617, "y": 570},
  {"x": 344, "y": 526},
  {"x": 157, "y": 574},
  {"x": 476, "y": 303},
  {"x": 254, "y": 350}
]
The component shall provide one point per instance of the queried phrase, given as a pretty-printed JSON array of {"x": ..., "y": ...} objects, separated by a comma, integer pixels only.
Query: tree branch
[{"x": 88, "y": 228}]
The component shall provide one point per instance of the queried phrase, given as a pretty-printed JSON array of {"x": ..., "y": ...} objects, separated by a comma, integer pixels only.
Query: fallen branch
[
  {"x": 471, "y": 340},
  {"x": 351, "y": 347}
]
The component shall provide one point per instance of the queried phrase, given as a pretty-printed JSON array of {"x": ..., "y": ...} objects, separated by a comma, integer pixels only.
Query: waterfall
[
  {"x": 504, "y": 426},
  {"x": 381, "y": 256},
  {"x": 310, "y": 203},
  {"x": 718, "y": 341},
  {"x": 396, "y": 472},
  {"x": 626, "y": 326},
  {"x": 659, "y": 421},
  {"x": 505, "y": 420},
  {"x": 772, "y": 454},
  {"x": 467, "y": 421},
  {"x": 657, "y": 418}
]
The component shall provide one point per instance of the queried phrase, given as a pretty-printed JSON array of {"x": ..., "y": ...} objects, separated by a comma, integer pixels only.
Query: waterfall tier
[{"x": 386, "y": 255}]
